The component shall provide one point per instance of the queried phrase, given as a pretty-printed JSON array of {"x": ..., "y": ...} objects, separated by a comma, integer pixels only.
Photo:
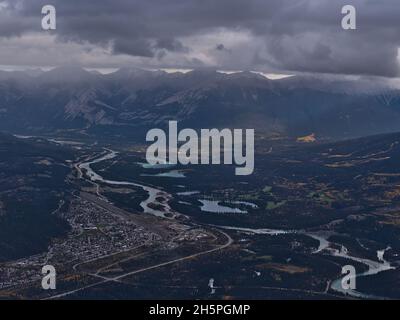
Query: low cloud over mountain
[
  {"x": 133, "y": 100},
  {"x": 273, "y": 35}
]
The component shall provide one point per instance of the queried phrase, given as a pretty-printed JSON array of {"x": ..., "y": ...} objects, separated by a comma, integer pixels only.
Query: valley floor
[{"x": 137, "y": 235}]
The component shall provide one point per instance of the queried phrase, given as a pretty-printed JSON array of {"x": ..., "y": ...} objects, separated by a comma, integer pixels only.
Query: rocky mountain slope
[{"x": 134, "y": 100}]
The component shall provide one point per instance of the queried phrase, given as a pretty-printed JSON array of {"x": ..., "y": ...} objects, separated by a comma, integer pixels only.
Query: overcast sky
[{"x": 278, "y": 36}]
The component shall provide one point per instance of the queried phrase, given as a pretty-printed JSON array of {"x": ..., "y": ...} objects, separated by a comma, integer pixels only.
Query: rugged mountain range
[{"x": 132, "y": 100}]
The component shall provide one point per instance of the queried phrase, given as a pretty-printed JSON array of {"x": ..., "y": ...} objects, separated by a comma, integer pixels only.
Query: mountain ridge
[{"x": 71, "y": 97}]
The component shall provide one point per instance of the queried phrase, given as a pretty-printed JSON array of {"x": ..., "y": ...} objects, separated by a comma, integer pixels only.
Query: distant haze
[{"x": 269, "y": 36}]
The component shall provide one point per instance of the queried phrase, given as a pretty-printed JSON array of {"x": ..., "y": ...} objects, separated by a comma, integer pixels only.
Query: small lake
[
  {"x": 170, "y": 174},
  {"x": 215, "y": 207},
  {"x": 188, "y": 193},
  {"x": 156, "y": 166}
]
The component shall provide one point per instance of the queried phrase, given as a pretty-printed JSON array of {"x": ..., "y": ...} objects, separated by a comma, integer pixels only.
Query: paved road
[
  {"x": 227, "y": 244},
  {"x": 147, "y": 222}
]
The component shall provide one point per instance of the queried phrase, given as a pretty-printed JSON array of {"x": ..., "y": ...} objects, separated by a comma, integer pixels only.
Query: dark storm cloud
[
  {"x": 283, "y": 35},
  {"x": 171, "y": 44},
  {"x": 135, "y": 47},
  {"x": 221, "y": 47}
]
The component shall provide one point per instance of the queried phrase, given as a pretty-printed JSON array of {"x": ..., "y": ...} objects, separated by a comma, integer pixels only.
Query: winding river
[
  {"x": 159, "y": 199},
  {"x": 374, "y": 267},
  {"x": 156, "y": 198}
]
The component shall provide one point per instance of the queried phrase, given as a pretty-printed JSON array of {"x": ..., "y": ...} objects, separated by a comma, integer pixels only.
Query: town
[{"x": 94, "y": 233}]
